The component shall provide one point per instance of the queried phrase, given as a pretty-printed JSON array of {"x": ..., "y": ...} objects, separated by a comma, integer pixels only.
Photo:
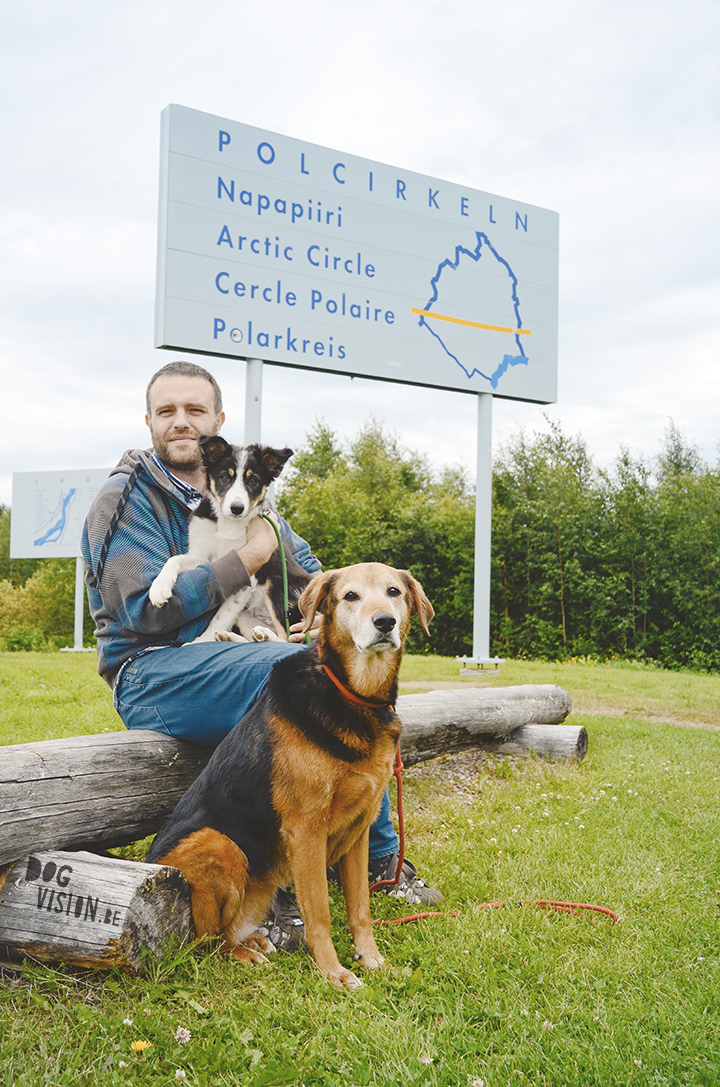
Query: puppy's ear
[
  {"x": 274, "y": 460},
  {"x": 421, "y": 605},
  {"x": 315, "y": 596},
  {"x": 212, "y": 448}
]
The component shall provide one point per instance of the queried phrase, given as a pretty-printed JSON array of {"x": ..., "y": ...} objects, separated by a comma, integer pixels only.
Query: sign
[
  {"x": 298, "y": 255},
  {"x": 49, "y": 511}
]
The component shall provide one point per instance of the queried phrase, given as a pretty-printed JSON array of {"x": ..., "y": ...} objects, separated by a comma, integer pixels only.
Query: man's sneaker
[
  {"x": 414, "y": 890},
  {"x": 284, "y": 926}
]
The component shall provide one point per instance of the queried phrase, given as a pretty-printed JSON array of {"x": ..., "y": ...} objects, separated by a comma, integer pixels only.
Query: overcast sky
[{"x": 605, "y": 111}]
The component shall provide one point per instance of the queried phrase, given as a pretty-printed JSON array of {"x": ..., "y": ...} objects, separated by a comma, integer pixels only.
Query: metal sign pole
[
  {"x": 77, "y": 646},
  {"x": 483, "y": 528},
  {"x": 483, "y": 537},
  {"x": 79, "y": 603},
  {"x": 253, "y": 400}
]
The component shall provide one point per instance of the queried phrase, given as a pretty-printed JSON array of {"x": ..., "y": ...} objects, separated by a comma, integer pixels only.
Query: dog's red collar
[{"x": 351, "y": 694}]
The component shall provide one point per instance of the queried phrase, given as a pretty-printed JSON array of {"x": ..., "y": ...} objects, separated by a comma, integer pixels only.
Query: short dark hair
[{"x": 187, "y": 369}]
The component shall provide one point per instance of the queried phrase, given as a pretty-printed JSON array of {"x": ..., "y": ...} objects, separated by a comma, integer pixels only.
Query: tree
[
  {"x": 677, "y": 456},
  {"x": 543, "y": 545},
  {"x": 685, "y": 624},
  {"x": 16, "y": 571},
  {"x": 40, "y": 613},
  {"x": 627, "y": 534},
  {"x": 376, "y": 502}
]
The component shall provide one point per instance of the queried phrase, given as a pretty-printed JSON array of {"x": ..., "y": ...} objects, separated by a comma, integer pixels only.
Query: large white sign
[
  {"x": 289, "y": 252},
  {"x": 49, "y": 510}
]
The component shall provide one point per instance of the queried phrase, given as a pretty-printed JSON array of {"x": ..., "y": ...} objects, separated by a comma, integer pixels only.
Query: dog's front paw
[
  {"x": 228, "y": 636},
  {"x": 344, "y": 979},
  {"x": 264, "y": 634},
  {"x": 161, "y": 590},
  {"x": 371, "y": 960}
]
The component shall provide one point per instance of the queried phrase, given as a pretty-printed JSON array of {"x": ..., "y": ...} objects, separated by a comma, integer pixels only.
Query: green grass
[
  {"x": 47, "y": 695},
  {"x": 506, "y": 996},
  {"x": 623, "y": 687}
]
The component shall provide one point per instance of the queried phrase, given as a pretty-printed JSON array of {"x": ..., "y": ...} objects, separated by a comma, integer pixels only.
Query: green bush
[
  {"x": 28, "y": 641},
  {"x": 40, "y": 614}
]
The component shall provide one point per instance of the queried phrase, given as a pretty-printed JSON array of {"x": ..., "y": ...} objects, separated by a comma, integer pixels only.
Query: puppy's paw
[
  {"x": 228, "y": 636},
  {"x": 161, "y": 590},
  {"x": 264, "y": 634}
]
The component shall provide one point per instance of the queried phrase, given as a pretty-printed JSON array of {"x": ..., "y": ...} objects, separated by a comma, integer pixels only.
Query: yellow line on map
[{"x": 470, "y": 324}]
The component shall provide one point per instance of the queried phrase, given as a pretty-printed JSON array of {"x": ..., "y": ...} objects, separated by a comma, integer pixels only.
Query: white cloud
[{"x": 605, "y": 111}]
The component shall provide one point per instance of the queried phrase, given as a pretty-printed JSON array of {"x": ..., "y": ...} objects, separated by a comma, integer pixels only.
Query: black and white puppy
[{"x": 237, "y": 481}]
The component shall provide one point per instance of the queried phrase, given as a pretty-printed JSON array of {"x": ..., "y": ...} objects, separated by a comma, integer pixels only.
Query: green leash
[{"x": 283, "y": 563}]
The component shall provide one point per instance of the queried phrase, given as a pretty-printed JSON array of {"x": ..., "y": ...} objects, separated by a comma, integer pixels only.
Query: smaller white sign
[{"x": 49, "y": 511}]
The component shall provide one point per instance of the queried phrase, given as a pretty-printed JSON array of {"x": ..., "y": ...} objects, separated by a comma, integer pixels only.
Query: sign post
[
  {"x": 274, "y": 249},
  {"x": 483, "y": 531},
  {"x": 253, "y": 401}
]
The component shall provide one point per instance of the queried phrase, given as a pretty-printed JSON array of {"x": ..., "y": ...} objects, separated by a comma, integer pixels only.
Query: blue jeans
[{"x": 199, "y": 692}]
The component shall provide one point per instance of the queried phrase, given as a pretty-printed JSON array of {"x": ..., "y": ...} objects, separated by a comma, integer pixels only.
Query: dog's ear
[
  {"x": 274, "y": 460},
  {"x": 314, "y": 597},
  {"x": 421, "y": 605},
  {"x": 212, "y": 448}
]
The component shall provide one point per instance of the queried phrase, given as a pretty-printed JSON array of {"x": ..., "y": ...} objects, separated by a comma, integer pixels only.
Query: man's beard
[{"x": 187, "y": 458}]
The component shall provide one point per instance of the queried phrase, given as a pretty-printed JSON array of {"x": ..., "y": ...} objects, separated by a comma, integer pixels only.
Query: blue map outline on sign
[
  {"x": 508, "y": 360},
  {"x": 55, "y": 531}
]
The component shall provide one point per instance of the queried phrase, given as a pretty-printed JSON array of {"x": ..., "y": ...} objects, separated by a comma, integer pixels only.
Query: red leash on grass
[{"x": 541, "y": 903}]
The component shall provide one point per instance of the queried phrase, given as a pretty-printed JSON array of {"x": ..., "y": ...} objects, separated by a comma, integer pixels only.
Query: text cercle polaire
[{"x": 277, "y": 295}]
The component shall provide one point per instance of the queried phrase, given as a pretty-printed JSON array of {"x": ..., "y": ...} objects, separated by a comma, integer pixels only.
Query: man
[{"x": 194, "y": 692}]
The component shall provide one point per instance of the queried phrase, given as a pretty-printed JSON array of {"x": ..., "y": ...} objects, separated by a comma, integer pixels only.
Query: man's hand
[
  {"x": 261, "y": 543},
  {"x": 297, "y": 632}
]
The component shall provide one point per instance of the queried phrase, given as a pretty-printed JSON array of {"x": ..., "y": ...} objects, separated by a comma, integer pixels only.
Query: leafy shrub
[
  {"x": 28, "y": 641},
  {"x": 40, "y": 614}
]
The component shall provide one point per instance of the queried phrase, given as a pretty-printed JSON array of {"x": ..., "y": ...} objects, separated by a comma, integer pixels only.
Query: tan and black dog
[{"x": 296, "y": 785}]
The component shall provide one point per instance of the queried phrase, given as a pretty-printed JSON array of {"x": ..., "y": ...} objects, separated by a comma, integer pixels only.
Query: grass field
[{"x": 497, "y": 997}]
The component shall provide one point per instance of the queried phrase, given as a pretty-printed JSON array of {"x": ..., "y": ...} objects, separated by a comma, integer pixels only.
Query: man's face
[{"x": 181, "y": 409}]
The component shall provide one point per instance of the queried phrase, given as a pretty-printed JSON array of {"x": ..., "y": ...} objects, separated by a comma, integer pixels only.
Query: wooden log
[
  {"x": 546, "y": 741},
  {"x": 438, "y": 722},
  {"x": 83, "y": 910},
  {"x": 104, "y": 790},
  {"x": 118, "y": 787}
]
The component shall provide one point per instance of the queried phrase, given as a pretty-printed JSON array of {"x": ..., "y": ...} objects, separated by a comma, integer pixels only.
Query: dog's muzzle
[{"x": 385, "y": 634}]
